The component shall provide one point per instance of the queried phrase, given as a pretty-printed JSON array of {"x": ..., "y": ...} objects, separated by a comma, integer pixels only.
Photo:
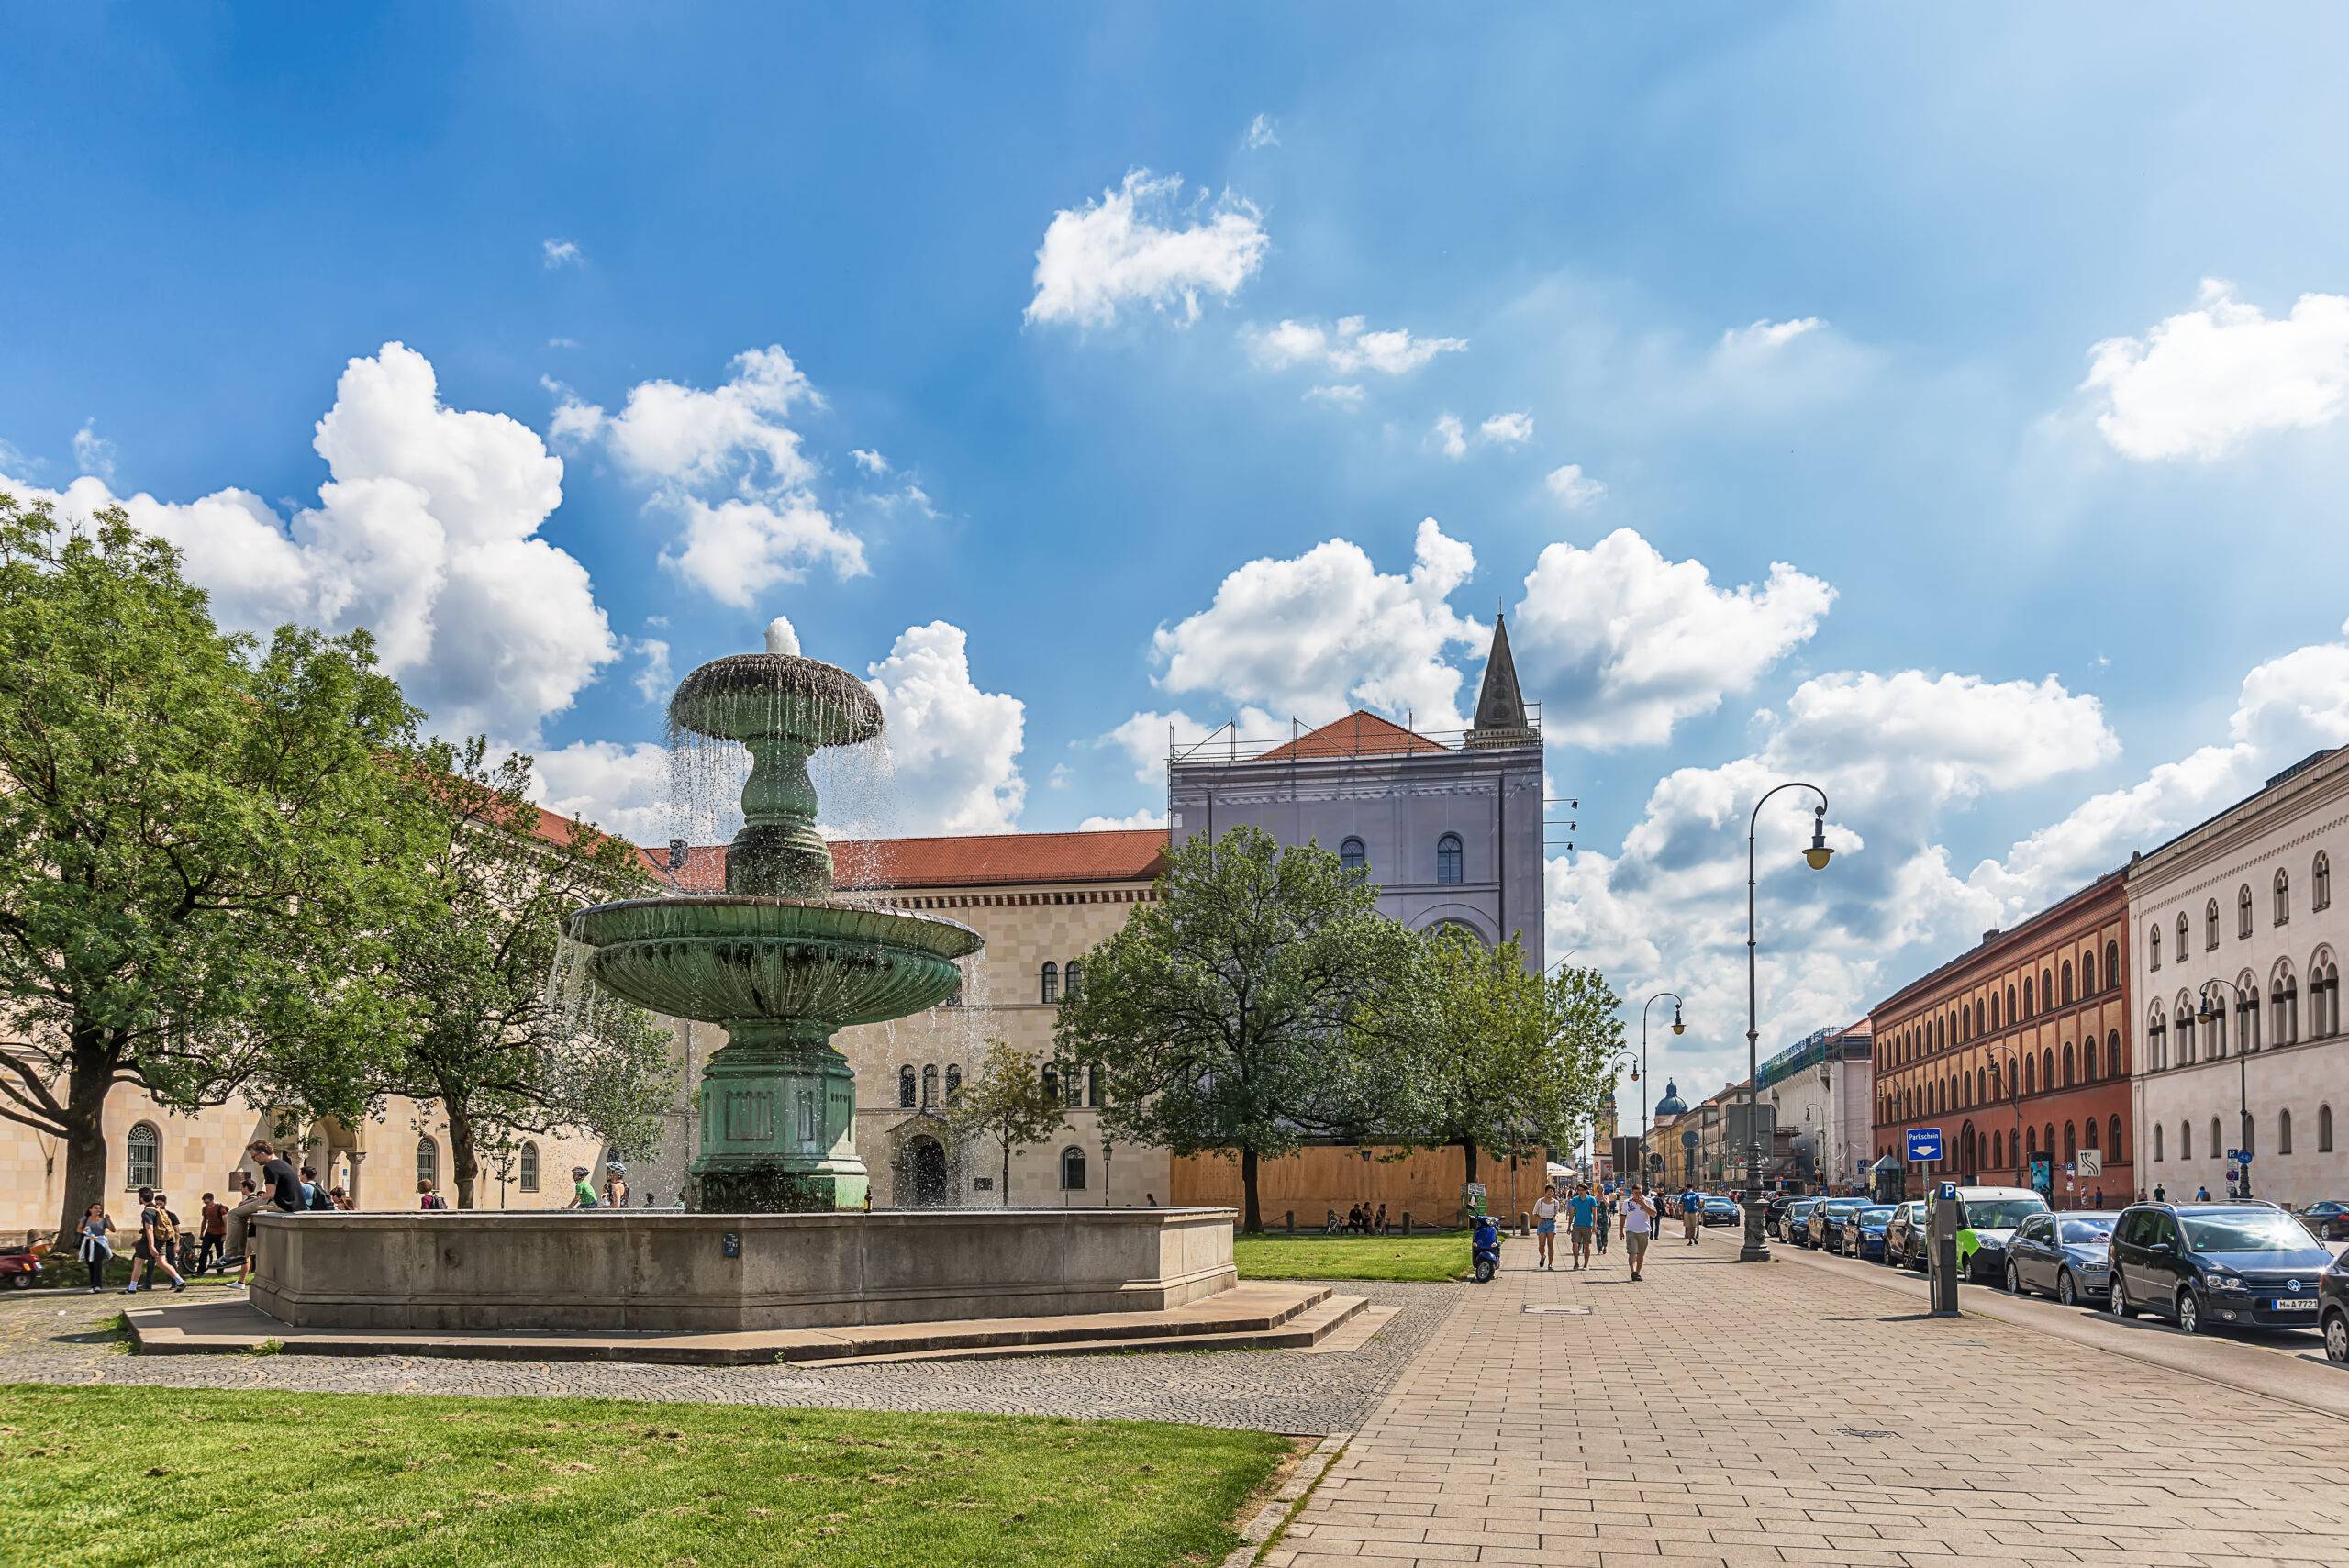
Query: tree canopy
[{"x": 1007, "y": 1100}]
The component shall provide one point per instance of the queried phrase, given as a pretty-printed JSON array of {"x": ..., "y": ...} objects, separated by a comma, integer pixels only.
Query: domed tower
[{"x": 1672, "y": 1104}]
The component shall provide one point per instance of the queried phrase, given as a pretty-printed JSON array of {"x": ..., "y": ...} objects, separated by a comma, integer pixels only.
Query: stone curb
[{"x": 1258, "y": 1532}]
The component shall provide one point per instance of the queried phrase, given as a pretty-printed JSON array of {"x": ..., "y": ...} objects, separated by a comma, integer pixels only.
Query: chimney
[
  {"x": 676, "y": 854},
  {"x": 1990, "y": 936}
]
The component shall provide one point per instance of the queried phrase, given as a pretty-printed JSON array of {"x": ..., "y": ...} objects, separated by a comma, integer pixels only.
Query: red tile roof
[
  {"x": 976, "y": 860},
  {"x": 1359, "y": 734}
]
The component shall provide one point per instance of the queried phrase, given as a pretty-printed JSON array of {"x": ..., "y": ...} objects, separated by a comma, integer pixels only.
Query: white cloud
[
  {"x": 1138, "y": 244},
  {"x": 92, "y": 453},
  {"x": 1764, "y": 337},
  {"x": 562, "y": 342},
  {"x": 561, "y": 253},
  {"x": 654, "y": 679},
  {"x": 426, "y": 533},
  {"x": 723, "y": 465},
  {"x": 1508, "y": 429},
  {"x": 1261, "y": 132},
  {"x": 1624, "y": 644},
  {"x": 1142, "y": 818},
  {"x": 1316, "y": 635},
  {"x": 1573, "y": 489},
  {"x": 1344, "y": 349},
  {"x": 1146, "y": 738},
  {"x": 955, "y": 749},
  {"x": 1449, "y": 436},
  {"x": 2202, "y": 383},
  {"x": 623, "y": 789},
  {"x": 1060, "y": 778},
  {"x": 869, "y": 461},
  {"x": 1344, "y": 394}
]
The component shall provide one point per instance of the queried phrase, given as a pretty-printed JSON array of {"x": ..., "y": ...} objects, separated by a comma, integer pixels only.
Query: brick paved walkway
[{"x": 1721, "y": 1413}]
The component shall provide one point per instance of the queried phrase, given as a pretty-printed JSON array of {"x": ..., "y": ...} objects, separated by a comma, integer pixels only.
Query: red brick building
[{"x": 2019, "y": 1049}]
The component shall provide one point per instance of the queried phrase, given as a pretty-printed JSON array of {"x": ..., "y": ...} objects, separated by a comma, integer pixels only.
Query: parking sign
[{"x": 1924, "y": 1143}]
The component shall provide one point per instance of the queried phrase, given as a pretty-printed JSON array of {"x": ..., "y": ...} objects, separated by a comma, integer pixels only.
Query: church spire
[{"x": 1500, "y": 707}]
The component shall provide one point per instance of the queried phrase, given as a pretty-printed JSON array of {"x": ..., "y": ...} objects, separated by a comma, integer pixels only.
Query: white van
[{"x": 1992, "y": 1214}]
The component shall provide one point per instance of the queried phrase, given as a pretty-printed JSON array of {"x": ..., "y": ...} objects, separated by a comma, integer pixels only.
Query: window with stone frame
[
  {"x": 2283, "y": 896},
  {"x": 1450, "y": 861},
  {"x": 907, "y": 1095},
  {"x": 2320, "y": 882},
  {"x": 2242, "y": 912},
  {"x": 143, "y": 1157},
  {"x": 529, "y": 1167}
]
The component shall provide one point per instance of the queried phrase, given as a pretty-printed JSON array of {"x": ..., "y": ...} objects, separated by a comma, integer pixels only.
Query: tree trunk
[
  {"x": 1004, "y": 1201},
  {"x": 1468, "y": 1157},
  {"x": 85, "y": 1137},
  {"x": 464, "y": 1159},
  {"x": 1251, "y": 1217}
]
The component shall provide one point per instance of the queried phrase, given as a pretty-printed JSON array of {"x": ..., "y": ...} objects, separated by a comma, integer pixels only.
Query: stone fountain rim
[
  {"x": 840, "y": 905},
  {"x": 732, "y": 674}
]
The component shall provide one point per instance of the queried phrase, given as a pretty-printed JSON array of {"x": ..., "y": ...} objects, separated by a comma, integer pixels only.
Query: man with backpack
[{"x": 158, "y": 1239}]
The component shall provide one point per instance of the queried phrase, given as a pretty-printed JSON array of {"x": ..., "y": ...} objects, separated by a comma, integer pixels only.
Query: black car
[
  {"x": 2328, "y": 1219},
  {"x": 1774, "y": 1217},
  {"x": 2332, "y": 1310},
  {"x": 2212, "y": 1265},
  {"x": 1721, "y": 1211},
  {"x": 1795, "y": 1225},
  {"x": 2069, "y": 1256},
  {"x": 1904, "y": 1236},
  {"x": 1827, "y": 1219}
]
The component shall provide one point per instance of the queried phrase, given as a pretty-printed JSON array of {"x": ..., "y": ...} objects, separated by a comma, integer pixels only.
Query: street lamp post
[
  {"x": 1757, "y": 1249},
  {"x": 2212, "y": 1012},
  {"x": 1641, "y": 1077}
]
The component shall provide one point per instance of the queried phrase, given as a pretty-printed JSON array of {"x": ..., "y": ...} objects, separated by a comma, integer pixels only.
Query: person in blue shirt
[{"x": 1584, "y": 1211}]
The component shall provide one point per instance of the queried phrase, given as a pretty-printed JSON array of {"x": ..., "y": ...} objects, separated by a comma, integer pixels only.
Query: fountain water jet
[{"x": 775, "y": 959}]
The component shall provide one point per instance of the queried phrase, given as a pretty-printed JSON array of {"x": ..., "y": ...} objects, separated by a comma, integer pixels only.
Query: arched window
[
  {"x": 1052, "y": 1080},
  {"x": 2218, "y": 1022},
  {"x": 1448, "y": 858},
  {"x": 428, "y": 1161},
  {"x": 906, "y": 1097},
  {"x": 1998, "y": 1149},
  {"x": 2283, "y": 1132},
  {"x": 2087, "y": 972},
  {"x": 2112, "y": 1155},
  {"x": 2067, "y": 980},
  {"x": 2071, "y": 1143},
  {"x": 1051, "y": 982},
  {"x": 2283, "y": 1000},
  {"x": 1071, "y": 1170},
  {"x": 2113, "y": 1056},
  {"x": 2185, "y": 1015},
  {"x": 1093, "y": 1084},
  {"x": 2067, "y": 1066},
  {"x": 2320, "y": 882},
  {"x": 2211, "y": 924},
  {"x": 529, "y": 1167},
  {"x": 2242, "y": 910},
  {"x": 2157, "y": 1140},
  {"x": 1996, "y": 1091},
  {"x": 1995, "y": 1024},
  {"x": 2185, "y": 940},
  {"x": 2157, "y": 1040},
  {"x": 2324, "y": 1130},
  {"x": 1075, "y": 979},
  {"x": 2247, "y": 1013},
  {"x": 1352, "y": 856},
  {"x": 2154, "y": 947},
  {"x": 2111, "y": 964},
  {"x": 144, "y": 1168},
  {"x": 2047, "y": 1144},
  {"x": 930, "y": 1086},
  {"x": 2283, "y": 896},
  {"x": 2047, "y": 1072},
  {"x": 2324, "y": 996},
  {"x": 2029, "y": 1006},
  {"x": 953, "y": 1081},
  {"x": 2030, "y": 1075},
  {"x": 2012, "y": 1016},
  {"x": 2047, "y": 989},
  {"x": 2218, "y": 1138}
]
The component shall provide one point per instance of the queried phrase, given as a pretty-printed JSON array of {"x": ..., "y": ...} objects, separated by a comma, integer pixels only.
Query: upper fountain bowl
[{"x": 776, "y": 696}]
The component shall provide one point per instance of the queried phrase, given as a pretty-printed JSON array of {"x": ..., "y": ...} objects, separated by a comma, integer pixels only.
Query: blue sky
[{"x": 1705, "y": 293}]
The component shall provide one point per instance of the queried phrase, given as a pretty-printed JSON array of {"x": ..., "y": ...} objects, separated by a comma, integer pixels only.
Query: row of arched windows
[
  {"x": 1991, "y": 1082},
  {"x": 920, "y": 1092},
  {"x": 1074, "y": 1088},
  {"x": 143, "y": 1152},
  {"x": 2056, "y": 985},
  {"x": 2172, "y": 1031},
  {"x": 2320, "y": 897},
  {"x": 1060, "y": 986},
  {"x": 1451, "y": 859},
  {"x": 2218, "y": 1147}
]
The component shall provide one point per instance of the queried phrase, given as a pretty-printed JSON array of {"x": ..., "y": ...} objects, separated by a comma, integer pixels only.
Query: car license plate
[{"x": 2296, "y": 1306}]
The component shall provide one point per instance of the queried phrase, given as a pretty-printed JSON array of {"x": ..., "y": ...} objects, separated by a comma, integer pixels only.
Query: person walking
[
  {"x": 1545, "y": 1227},
  {"x": 154, "y": 1249},
  {"x": 1584, "y": 1211},
  {"x": 427, "y": 1198},
  {"x": 2161, "y": 1194},
  {"x": 582, "y": 1194},
  {"x": 96, "y": 1249},
  {"x": 1692, "y": 1217},
  {"x": 214, "y": 1254},
  {"x": 1639, "y": 1226},
  {"x": 1605, "y": 1220},
  {"x": 2203, "y": 1193}
]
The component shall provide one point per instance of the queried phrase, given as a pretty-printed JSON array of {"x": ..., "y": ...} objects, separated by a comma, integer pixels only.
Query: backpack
[
  {"x": 167, "y": 1233},
  {"x": 321, "y": 1199}
]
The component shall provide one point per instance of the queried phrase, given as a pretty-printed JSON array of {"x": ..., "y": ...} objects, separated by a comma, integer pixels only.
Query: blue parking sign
[{"x": 1924, "y": 1143}]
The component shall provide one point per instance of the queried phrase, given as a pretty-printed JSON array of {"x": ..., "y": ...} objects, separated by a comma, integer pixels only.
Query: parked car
[
  {"x": 1992, "y": 1214},
  {"x": 1903, "y": 1235},
  {"x": 1863, "y": 1230},
  {"x": 1721, "y": 1211},
  {"x": 2332, "y": 1310},
  {"x": 1774, "y": 1217},
  {"x": 1797, "y": 1220},
  {"x": 1826, "y": 1221},
  {"x": 2210, "y": 1265},
  {"x": 2327, "y": 1219},
  {"x": 2067, "y": 1255}
]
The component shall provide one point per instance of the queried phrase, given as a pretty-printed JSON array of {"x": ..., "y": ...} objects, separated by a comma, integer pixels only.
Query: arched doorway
[{"x": 926, "y": 1158}]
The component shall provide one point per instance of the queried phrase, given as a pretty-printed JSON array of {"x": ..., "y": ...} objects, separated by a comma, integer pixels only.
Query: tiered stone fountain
[{"x": 775, "y": 959}]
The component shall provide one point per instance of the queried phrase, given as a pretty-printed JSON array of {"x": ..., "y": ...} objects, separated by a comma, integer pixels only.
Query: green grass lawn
[
  {"x": 1350, "y": 1257},
  {"x": 141, "y": 1475}
]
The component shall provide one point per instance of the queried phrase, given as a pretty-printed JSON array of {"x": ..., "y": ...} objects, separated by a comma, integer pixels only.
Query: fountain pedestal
[{"x": 778, "y": 1124}]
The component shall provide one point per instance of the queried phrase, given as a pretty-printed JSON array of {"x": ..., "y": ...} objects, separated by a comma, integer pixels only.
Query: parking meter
[{"x": 1941, "y": 1218}]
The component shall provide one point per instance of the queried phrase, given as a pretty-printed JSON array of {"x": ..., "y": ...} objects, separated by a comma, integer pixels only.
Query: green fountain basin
[
  {"x": 749, "y": 696},
  {"x": 728, "y": 958}
]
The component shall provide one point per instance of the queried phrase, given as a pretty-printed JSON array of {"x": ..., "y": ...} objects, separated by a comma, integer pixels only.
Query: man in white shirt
[{"x": 1639, "y": 1226}]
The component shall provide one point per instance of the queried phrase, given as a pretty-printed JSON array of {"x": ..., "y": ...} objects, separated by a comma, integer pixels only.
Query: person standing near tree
[
  {"x": 1639, "y": 1226},
  {"x": 96, "y": 1249},
  {"x": 215, "y": 1250}
]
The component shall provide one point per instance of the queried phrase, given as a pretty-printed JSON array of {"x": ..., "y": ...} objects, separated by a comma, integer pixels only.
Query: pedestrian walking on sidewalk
[
  {"x": 214, "y": 1254},
  {"x": 1606, "y": 1221},
  {"x": 1692, "y": 1217},
  {"x": 1639, "y": 1225},
  {"x": 1582, "y": 1209},
  {"x": 1545, "y": 1227}
]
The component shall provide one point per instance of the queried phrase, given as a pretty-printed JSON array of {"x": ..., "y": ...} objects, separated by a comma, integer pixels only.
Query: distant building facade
[
  {"x": 2241, "y": 910},
  {"x": 1450, "y": 830},
  {"x": 1821, "y": 1089},
  {"x": 2018, "y": 1050}
]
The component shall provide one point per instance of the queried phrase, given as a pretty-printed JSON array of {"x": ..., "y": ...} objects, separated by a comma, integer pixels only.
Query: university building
[
  {"x": 1821, "y": 1092},
  {"x": 2239, "y": 1038},
  {"x": 2018, "y": 1052}
]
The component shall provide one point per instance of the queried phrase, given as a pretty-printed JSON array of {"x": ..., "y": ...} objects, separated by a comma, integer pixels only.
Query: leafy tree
[
  {"x": 1008, "y": 1101},
  {"x": 1260, "y": 1000},
  {"x": 472, "y": 950},
  {"x": 1507, "y": 1058},
  {"x": 201, "y": 833}
]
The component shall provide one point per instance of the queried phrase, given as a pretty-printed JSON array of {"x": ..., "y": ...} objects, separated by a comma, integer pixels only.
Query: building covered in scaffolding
[{"x": 1449, "y": 824}]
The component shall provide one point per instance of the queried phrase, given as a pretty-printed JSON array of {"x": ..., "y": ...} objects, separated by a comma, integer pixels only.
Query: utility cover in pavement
[{"x": 1569, "y": 1311}]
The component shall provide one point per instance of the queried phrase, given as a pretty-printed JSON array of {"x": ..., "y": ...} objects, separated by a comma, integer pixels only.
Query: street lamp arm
[{"x": 1643, "y": 1079}]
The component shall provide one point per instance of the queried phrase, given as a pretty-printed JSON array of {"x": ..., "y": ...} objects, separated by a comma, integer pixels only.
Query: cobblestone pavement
[
  {"x": 59, "y": 1339},
  {"x": 1721, "y": 1413}
]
